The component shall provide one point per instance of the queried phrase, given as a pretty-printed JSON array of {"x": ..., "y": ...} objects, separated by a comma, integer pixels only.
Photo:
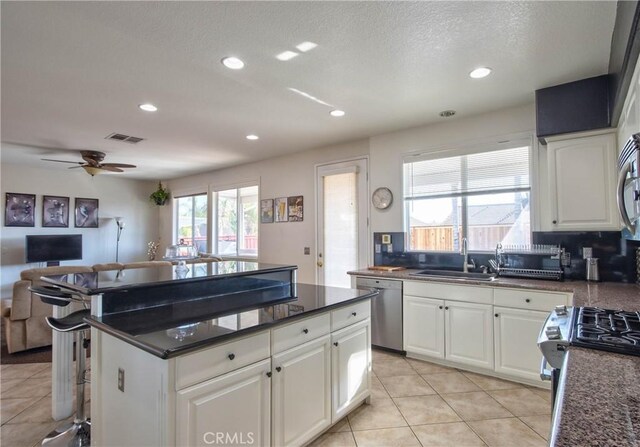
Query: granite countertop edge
[{"x": 196, "y": 346}]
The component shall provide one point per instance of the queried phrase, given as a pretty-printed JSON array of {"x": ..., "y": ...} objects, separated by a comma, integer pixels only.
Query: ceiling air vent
[{"x": 124, "y": 138}]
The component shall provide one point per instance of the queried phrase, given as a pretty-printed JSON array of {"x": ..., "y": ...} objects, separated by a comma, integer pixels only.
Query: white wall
[
  {"x": 387, "y": 151},
  {"x": 290, "y": 175},
  {"x": 117, "y": 197}
]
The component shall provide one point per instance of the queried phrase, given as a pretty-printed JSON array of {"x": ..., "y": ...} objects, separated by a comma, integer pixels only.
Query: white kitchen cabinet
[
  {"x": 350, "y": 367},
  {"x": 469, "y": 333},
  {"x": 516, "y": 335},
  {"x": 301, "y": 392},
  {"x": 423, "y": 326},
  {"x": 581, "y": 170},
  {"x": 231, "y": 409}
]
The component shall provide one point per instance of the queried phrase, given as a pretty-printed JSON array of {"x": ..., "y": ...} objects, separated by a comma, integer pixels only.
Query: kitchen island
[{"x": 246, "y": 356}]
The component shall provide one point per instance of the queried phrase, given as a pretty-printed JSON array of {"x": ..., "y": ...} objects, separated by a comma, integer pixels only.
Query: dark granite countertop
[
  {"x": 94, "y": 283},
  {"x": 182, "y": 327},
  {"x": 599, "y": 403}
]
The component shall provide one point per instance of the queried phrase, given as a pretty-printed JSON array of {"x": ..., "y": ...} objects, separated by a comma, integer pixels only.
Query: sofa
[{"x": 23, "y": 315}]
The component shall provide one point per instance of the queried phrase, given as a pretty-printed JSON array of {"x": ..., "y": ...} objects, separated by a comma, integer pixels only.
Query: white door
[
  {"x": 343, "y": 236},
  {"x": 350, "y": 364},
  {"x": 423, "y": 326},
  {"x": 468, "y": 329},
  {"x": 217, "y": 411},
  {"x": 301, "y": 392},
  {"x": 516, "y": 336}
]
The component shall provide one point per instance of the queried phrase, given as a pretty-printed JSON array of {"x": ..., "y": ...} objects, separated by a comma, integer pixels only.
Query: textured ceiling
[{"x": 74, "y": 72}]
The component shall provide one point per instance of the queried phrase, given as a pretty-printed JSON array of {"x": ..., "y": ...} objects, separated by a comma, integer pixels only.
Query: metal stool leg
[{"x": 77, "y": 434}]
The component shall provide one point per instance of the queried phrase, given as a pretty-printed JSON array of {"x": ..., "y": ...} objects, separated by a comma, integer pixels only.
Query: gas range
[{"x": 589, "y": 327}]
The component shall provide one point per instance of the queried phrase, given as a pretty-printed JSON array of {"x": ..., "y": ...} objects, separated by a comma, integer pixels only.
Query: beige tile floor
[
  {"x": 25, "y": 404},
  {"x": 413, "y": 403},
  {"x": 417, "y": 403}
]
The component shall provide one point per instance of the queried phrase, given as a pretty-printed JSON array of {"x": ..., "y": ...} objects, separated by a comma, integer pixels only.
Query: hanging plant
[{"x": 160, "y": 196}]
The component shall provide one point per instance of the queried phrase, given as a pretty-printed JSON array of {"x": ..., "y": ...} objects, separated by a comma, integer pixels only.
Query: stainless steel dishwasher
[{"x": 386, "y": 312}]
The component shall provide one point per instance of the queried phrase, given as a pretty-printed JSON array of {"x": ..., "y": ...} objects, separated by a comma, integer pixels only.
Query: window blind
[{"x": 495, "y": 171}]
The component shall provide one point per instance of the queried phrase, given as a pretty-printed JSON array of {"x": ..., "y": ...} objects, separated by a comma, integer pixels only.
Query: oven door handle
[
  {"x": 545, "y": 374},
  {"x": 622, "y": 209}
]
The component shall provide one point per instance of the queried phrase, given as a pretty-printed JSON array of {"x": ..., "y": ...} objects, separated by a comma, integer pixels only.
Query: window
[
  {"x": 236, "y": 222},
  {"x": 192, "y": 221},
  {"x": 484, "y": 197}
]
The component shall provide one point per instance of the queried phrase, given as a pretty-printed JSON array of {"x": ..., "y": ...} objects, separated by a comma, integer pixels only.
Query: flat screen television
[{"x": 53, "y": 248}]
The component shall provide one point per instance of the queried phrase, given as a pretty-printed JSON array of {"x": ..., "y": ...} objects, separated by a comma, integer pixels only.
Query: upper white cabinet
[{"x": 582, "y": 172}]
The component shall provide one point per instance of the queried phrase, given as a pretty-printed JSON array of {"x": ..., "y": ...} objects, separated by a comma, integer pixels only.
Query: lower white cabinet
[
  {"x": 351, "y": 366},
  {"x": 231, "y": 409},
  {"x": 451, "y": 330},
  {"x": 516, "y": 335},
  {"x": 468, "y": 333},
  {"x": 301, "y": 392}
]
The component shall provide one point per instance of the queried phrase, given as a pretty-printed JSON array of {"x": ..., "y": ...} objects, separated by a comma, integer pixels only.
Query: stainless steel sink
[{"x": 453, "y": 274}]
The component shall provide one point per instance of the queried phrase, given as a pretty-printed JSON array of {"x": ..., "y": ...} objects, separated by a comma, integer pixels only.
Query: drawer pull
[
  {"x": 278, "y": 368},
  {"x": 231, "y": 356},
  {"x": 353, "y": 313},
  {"x": 335, "y": 343},
  {"x": 306, "y": 331},
  {"x": 440, "y": 307},
  {"x": 269, "y": 374},
  {"x": 497, "y": 315},
  {"x": 528, "y": 300}
]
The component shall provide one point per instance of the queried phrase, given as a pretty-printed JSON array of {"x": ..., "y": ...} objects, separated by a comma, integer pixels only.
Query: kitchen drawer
[
  {"x": 529, "y": 299},
  {"x": 302, "y": 331},
  {"x": 348, "y": 315},
  {"x": 453, "y": 292},
  {"x": 220, "y": 359}
]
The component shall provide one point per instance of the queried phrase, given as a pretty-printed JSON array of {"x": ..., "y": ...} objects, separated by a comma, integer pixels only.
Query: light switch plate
[{"x": 307, "y": 250}]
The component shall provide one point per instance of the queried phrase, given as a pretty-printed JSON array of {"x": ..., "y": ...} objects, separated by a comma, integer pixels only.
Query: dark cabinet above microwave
[{"x": 573, "y": 107}]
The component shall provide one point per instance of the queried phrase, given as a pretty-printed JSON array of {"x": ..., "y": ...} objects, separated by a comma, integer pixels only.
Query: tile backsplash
[{"x": 616, "y": 256}]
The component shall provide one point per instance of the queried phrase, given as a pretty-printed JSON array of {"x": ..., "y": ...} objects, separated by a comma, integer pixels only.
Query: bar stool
[{"x": 78, "y": 433}]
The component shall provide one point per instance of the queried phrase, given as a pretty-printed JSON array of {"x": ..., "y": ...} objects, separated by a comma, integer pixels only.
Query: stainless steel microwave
[{"x": 628, "y": 191}]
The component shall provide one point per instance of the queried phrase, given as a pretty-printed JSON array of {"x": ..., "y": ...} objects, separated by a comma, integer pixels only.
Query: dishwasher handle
[{"x": 378, "y": 284}]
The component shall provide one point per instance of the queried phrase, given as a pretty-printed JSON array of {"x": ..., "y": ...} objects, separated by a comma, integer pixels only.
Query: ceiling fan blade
[
  {"x": 80, "y": 166},
  {"x": 110, "y": 168},
  {"x": 63, "y": 161},
  {"x": 118, "y": 165}
]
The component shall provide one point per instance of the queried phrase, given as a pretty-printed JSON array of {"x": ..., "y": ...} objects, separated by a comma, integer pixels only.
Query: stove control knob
[
  {"x": 553, "y": 332},
  {"x": 561, "y": 310}
]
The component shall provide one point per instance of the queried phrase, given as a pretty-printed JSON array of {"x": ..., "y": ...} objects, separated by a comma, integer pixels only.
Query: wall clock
[{"x": 382, "y": 198}]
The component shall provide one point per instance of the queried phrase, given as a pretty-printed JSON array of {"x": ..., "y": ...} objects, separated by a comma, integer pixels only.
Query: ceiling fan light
[{"x": 92, "y": 170}]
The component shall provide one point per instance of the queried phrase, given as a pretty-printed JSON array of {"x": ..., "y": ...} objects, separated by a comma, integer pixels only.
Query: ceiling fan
[{"x": 93, "y": 163}]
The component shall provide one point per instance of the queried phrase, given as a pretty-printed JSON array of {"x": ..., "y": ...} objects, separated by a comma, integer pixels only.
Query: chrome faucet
[{"x": 465, "y": 252}]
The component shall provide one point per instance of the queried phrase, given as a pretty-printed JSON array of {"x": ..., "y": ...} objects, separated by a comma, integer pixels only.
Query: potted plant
[{"x": 160, "y": 196}]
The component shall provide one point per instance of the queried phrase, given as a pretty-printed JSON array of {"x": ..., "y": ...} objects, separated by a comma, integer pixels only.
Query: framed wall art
[
  {"x": 281, "y": 209},
  {"x": 20, "y": 210},
  {"x": 86, "y": 213},
  {"x": 296, "y": 209},
  {"x": 266, "y": 211},
  {"x": 55, "y": 211}
]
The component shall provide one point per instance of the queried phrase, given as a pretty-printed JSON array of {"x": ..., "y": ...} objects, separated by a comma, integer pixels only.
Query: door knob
[{"x": 319, "y": 263}]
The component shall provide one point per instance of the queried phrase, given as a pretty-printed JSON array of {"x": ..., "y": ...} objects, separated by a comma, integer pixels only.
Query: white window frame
[
  {"x": 213, "y": 217},
  {"x": 468, "y": 148},
  {"x": 176, "y": 215}
]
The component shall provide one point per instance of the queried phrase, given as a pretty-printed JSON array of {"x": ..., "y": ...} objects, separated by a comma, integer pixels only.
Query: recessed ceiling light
[
  {"x": 233, "y": 63},
  {"x": 480, "y": 72},
  {"x": 252, "y": 137},
  {"x": 286, "y": 55},
  {"x": 337, "y": 113},
  {"x": 447, "y": 113},
  {"x": 148, "y": 107},
  {"x": 306, "y": 46}
]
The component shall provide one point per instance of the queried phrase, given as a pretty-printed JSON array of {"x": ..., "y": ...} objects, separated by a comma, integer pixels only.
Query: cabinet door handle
[
  {"x": 335, "y": 343},
  {"x": 446, "y": 308},
  {"x": 497, "y": 315},
  {"x": 269, "y": 374},
  {"x": 528, "y": 300},
  {"x": 278, "y": 368},
  {"x": 554, "y": 222},
  {"x": 231, "y": 356},
  {"x": 306, "y": 331},
  {"x": 440, "y": 307},
  {"x": 353, "y": 313}
]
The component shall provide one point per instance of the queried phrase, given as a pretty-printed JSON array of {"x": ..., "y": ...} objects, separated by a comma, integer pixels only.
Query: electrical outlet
[
  {"x": 422, "y": 257},
  {"x": 121, "y": 379},
  {"x": 587, "y": 252}
]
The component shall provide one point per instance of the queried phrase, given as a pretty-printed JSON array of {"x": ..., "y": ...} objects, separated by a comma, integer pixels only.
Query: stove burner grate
[{"x": 612, "y": 330}]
